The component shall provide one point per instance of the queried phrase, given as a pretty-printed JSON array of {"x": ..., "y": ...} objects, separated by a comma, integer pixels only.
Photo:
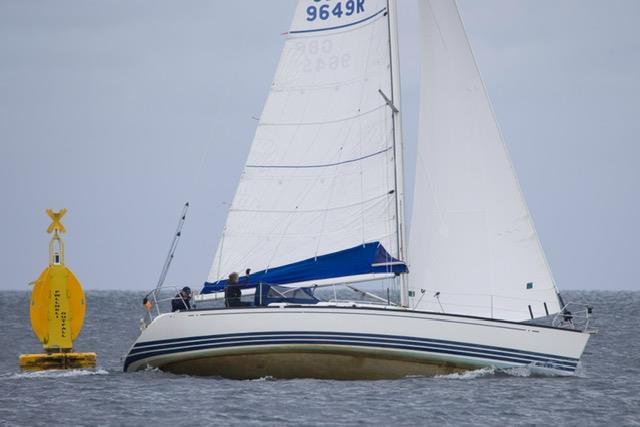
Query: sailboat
[{"x": 321, "y": 204}]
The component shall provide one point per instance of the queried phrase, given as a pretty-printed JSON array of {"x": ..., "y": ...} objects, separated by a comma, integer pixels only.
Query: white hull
[{"x": 346, "y": 343}]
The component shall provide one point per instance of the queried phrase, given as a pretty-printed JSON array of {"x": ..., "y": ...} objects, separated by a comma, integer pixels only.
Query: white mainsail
[
  {"x": 321, "y": 175},
  {"x": 473, "y": 247}
]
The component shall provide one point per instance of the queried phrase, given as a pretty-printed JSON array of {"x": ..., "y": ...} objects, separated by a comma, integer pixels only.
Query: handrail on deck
[
  {"x": 154, "y": 298},
  {"x": 574, "y": 316},
  {"x": 154, "y": 309}
]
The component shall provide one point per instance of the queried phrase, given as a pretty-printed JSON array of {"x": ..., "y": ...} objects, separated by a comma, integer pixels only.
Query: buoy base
[{"x": 43, "y": 362}]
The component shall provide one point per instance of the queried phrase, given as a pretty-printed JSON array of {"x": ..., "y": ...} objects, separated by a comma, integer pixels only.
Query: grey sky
[{"x": 122, "y": 110}]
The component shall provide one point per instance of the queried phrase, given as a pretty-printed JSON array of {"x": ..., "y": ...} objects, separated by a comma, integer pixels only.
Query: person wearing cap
[
  {"x": 182, "y": 300},
  {"x": 232, "y": 291}
]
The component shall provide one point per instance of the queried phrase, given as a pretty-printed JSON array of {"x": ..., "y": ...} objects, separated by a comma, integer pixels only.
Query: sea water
[{"x": 606, "y": 391}]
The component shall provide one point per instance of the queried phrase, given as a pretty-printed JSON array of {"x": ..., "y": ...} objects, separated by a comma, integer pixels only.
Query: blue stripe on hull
[
  {"x": 163, "y": 347},
  {"x": 317, "y": 337}
]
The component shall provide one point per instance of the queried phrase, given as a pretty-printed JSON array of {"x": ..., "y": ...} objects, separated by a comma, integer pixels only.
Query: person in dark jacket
[
  {"x": 182, "y": 300},
  {"x": 232, "y": 291}
]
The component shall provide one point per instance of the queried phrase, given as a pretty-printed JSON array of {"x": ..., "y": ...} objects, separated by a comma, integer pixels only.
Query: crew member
[
  {"x": 232, "y": 291},
  {"x": 182, "y": 300}
]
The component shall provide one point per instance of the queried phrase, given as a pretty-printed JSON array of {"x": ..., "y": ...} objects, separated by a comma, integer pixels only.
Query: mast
[{"x": 397, "y": 144}]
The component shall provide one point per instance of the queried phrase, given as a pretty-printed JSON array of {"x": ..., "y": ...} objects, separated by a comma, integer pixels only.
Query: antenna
[{"x": 172, "y": 248}]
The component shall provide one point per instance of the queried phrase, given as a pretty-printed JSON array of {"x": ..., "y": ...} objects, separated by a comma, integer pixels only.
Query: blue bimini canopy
[{"x": 369, "y": 258}]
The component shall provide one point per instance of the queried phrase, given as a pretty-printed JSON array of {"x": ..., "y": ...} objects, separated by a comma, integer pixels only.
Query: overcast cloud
[{"x": 122, "y": 110}]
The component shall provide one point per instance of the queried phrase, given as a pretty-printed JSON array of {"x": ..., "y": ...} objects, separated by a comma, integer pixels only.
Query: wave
[
  {"x": 266, "y": 378},
  {"x": 521, "y": 371},
  {"x": 469, "y": 375},
  {"x": 55, "y": 374}
]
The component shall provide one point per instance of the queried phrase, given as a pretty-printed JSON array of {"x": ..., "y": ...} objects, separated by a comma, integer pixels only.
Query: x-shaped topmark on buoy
[{"x": 56, "y": 225}]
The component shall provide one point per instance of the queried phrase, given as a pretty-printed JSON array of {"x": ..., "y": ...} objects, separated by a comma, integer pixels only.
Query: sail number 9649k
[{"x": 337, "y": 9}]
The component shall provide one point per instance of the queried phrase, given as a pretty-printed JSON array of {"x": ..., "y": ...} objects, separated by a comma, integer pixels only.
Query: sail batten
[
  {"x": 326, "y": 122},
  {"x": 326, "y": 165},
  {"x": 320, "y": 209}
]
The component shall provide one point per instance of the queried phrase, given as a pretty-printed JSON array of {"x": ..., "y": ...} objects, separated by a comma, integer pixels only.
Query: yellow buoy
[{"x": 57, "y": 310}]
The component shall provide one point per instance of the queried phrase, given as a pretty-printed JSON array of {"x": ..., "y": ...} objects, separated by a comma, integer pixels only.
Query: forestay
[
  {"x": 320, "y": 175},
  {"x": 473, "y": 248}
]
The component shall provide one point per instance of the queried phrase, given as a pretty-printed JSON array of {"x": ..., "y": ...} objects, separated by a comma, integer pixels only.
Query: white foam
[
  {"x": 581, "y": 370},
  {"x": 58, "y": 373},
  {"x": 521, "y": 371},
  {"x": 267, "y": 378},
  {"x": 469, "y": 375}
]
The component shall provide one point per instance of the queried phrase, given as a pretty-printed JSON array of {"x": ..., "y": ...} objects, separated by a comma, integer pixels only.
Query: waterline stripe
[
  {"x": 319, "y": 337},
  {"x": 394, "y": 338},
  {"x": 253, "y": 343},
  {"x": 156, "y": 348},
  {"x": 362, "y": 342}
]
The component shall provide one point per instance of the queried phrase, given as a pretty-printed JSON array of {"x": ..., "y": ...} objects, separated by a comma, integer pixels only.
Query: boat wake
[
  {"x": 488, "y": 372},
  {"x": 54, "y": 374},
  {"x": 267, "y": 378},
  {"x": 522, "y": 371},
  {"x": 517, "y": 372},
  {"x": 469, "y": 375}
]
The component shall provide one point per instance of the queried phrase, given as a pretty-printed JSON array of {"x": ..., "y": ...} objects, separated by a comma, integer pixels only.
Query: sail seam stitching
[
  {"x": 350, "y": 205},
  {"x": 345, "y": 119},
  {"x": 325, "y": 165}
]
